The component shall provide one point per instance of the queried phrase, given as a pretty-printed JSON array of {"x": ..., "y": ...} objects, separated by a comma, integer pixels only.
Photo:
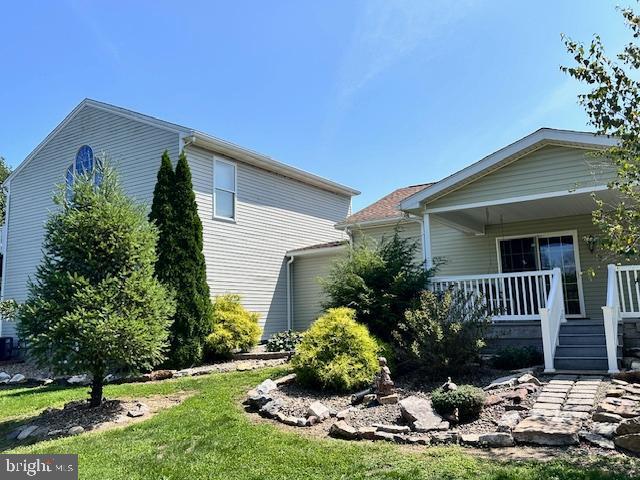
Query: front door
[{"x": 546, "y": 252}]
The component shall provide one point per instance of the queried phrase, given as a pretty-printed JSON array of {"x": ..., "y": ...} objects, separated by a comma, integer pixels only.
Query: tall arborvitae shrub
[
  {"x": 181, "y": 265},
  {"x": 94, "y": 305},
  {"x": 162, "y": 215}
]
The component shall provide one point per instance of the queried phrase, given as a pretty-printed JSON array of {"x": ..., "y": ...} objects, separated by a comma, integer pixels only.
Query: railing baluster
[
  {"x": 623, "y": 303},
  {"x": 517, "y": 282},
  {"x": 530, "y": 295},
  {"x": 635, "y": 281}
]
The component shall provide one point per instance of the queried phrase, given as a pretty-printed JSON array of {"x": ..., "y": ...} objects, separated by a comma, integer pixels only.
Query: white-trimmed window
[{"x": 224, "y": 189}]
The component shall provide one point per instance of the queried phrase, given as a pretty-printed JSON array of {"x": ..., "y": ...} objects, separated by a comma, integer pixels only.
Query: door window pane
[{"x": 558, "y": 252}]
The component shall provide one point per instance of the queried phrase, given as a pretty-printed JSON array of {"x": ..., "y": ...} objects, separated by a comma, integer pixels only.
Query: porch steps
[{"x": 582, "y": 346}]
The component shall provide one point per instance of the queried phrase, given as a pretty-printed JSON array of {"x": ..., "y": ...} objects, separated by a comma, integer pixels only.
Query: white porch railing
[
  {"x": 550, "y": 319},
  {"x": 623, "y": 300},
  {"x": 508, "y": 296},
  {"x": 534, "y": 295}
]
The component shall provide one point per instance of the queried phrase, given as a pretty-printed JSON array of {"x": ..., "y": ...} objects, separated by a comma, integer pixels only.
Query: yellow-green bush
[
  {"x": 233, "y": 327},
  {"x": 336, "y": 352}
]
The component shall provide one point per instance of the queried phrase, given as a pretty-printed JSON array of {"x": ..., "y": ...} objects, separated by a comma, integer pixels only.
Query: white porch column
[{"x": 426, "y": 241}]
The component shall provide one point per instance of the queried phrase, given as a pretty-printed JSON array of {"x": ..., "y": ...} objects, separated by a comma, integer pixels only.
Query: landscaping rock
[
  {"x": 312, "y": 420},
  {"x": 270, "y": 409},
  {"x": 530, "y": 387},
  {"x": 367, "y": 433},
  {"x": 616, "y": 381},
  {"x": 257, "y": 400},
  {"x": 4, "y": 377},
  {"x": 597, "y": 440},
  {"x": 420, "y": 415},
  {"x": 528, "y": 378},
  {"x": 266, "y": 387},
  {"x": 17, "y": 378},
  {"x": 607, "y": 430},
  {"x": 471, "y": 439},
  {"x": 496, "y": 439},
  {"x": 25, "y": 432},
  {"x": 619, "y": 406},
  {"x": 628, "y": 426},
  {"x": 516, "y": 396},
  {"x": 388, "y": 399},
  {"x": 392, "y": 428},
  {"x": 389, "y": 437},
  {"x": 508, "y": 421},
  {"x": 445, "y": 437},
  {"x": 75, "y": 430},
  {"x": 343, "y": 414},
  {"x": 286, "y": 380},
  {"x": 543, "y": 430},
  {"x": 342, "y": 429},
  {"x": 631, "y": 377},
  {"x": 615, "y": 392},
  {"x": 629, "y": 442},
  {"x": 516, "y": 407},
  {"x": 162, "y": 374},
  {"x": 79, "y": 380},
  {"x": 605, "y": 417},
  {"x": 369, "y": 398},
  {"x": 508, "y": 381},
  {"x": 492, "y": 400},
  {"x": 140, "y": 410},
  {"x": 318, "y": 409}
]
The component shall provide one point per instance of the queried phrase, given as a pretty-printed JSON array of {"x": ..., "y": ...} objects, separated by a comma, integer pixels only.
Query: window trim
[
  {"x": 234, "y": 192},
  {"x": 576, "y": 253}
]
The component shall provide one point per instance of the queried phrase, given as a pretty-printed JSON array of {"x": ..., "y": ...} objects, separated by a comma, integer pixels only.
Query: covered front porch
[{"x": 533, "y": 259}]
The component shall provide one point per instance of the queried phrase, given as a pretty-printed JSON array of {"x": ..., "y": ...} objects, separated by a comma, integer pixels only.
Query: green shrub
[
  {"x": 468, "y": 399},
  {"x": 443, "y": 332},
  {"x": 284, "y": 341},
  {"x": 336, "y": 353},
  {"x": 379, "y": 281},
  {"x": 234, "y": 328},
  {"x": 511, "y": 358}
]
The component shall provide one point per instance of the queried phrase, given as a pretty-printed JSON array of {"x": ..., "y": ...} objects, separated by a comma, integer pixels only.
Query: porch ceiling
[{"x": 472, "y": 219}]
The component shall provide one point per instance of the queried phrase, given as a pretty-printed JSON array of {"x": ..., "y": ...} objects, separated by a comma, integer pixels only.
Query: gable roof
[
  {"x": 534, "y": 141},
  {"x": 203, "y": 140},
  {"x": 385, "y": 209}
]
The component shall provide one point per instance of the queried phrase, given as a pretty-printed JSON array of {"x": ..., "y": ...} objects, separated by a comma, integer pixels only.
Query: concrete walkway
[{"x": 568, "y": 396}]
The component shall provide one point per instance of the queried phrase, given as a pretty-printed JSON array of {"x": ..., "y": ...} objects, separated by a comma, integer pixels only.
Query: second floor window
[
  {"x": 83, "y": 164},
  {"x": 224, "y": 189}
]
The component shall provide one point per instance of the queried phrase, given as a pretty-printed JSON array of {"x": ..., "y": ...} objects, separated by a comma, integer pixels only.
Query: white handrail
[
  {"x": 550, "y": 319},
  {"x": 611, "y": 311},
  {"x": 508, "y": 296}
]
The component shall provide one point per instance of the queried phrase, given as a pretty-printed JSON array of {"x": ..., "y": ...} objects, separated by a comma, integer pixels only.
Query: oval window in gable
[{"x": 84, "y": 160}]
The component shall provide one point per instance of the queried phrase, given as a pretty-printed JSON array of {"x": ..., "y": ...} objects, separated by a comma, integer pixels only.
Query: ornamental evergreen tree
[
  {"x": 94, "y": 305},
  {"x": 162, "y": 216},
  {"x": 185, "y": 271}
]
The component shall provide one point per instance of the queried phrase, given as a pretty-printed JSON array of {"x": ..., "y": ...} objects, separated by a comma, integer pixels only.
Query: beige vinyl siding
[
  {"x": 466, "y": 255},
  {"x": 134, "y": 147},
  {"x": 274, "y": 214},
  {"x": 410, "y": 230},
  {"x": 308, "y": 296},
  {"x": 549, "y": 169}
]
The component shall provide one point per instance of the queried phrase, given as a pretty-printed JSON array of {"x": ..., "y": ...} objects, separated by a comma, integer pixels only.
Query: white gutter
[
  {"x": 289, "y": 294},
  {"x": 267, "y": 163}
]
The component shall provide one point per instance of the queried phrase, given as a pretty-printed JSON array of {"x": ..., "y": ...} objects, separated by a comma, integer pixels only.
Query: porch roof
[
  {"x": 472, "y": 218},
  {"x": 536, "y": 140}
]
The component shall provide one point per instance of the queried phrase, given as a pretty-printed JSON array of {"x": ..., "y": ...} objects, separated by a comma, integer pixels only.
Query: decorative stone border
[
  {"x": 557, "y": 418},
  {"x": 154, "y": 376}
]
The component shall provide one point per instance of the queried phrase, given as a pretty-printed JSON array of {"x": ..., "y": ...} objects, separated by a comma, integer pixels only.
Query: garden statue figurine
[{"x": 384, "y": 384}]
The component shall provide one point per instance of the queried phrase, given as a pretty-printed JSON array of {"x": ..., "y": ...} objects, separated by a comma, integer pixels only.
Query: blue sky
[{"x": 375, "y": 94}]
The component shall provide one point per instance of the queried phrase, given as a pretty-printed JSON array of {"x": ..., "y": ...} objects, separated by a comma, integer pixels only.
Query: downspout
[{"x": 289, "y": 294}]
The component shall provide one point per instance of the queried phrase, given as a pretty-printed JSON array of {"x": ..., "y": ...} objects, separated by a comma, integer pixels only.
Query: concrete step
[
  {"x": 581, "y": 328},
  {"x": 581, "y": 363},
  {"x": 582, "y": 339},
  {"x": 581, "y": 351}
]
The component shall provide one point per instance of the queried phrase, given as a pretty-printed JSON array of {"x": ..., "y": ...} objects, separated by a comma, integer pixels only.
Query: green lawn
[{"x": 209, "y": 436}]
